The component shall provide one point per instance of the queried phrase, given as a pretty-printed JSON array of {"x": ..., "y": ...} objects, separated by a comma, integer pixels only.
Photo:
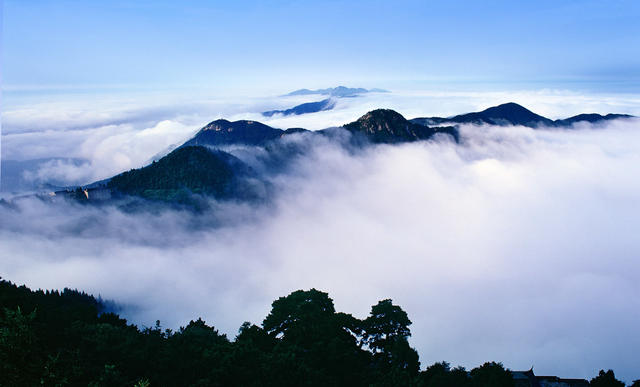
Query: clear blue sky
[{"x": 111, "y": 43}]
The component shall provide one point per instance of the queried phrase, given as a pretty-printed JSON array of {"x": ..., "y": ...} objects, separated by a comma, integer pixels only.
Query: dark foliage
[
  {"x": 441, "y": 375},
  {"x": 69, "y": 338},
  {"x": 606, "y": 379},
  {"x": 187, "y": 170},
  {"x": 491, "y": 374}
]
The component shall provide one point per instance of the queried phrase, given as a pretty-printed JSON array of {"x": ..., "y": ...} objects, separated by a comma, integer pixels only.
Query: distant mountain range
[
  {"x": 340, "y": 91},
  {"x": 325, "y": 104},
  {"x": 204, "y": 165},
  {"x": 377, "y": 126},
  {"x": 309, "y": 107},
  {"x": 510, "y": 114}
]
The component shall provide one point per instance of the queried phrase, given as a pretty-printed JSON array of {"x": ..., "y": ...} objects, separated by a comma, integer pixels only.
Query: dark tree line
[{"x": 68, "y": 338}]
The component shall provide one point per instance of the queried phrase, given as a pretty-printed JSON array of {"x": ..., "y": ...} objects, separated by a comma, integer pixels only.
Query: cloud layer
[
  {"x": 113, "y": 133},
  {"x": 517, "y": 245}
]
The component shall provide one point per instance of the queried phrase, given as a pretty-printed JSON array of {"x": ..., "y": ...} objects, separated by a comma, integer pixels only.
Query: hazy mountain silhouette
[
  {"x": 591, "y": 118},
  {"x": 309, "y": 107},
  {"x": 203, "y": 166},
  {"x": 513, "y": 114},
  {"x": 340, "y": 91}
]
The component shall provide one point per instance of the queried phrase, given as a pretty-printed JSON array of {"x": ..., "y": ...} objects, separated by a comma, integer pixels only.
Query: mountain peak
[
  {"x": 509, "y": 110},
  {"x": 382, "y": 115},
  {"x": 507, "y": 107},
  {"x": 511, "y": 113},
  {"x": 505, "y": 114},
  {"x": 381, "y": 123},
  {"x": 222, "y": 124},
  {"x": 223, "y": 132},
  {"x": 389, "y": 126}
]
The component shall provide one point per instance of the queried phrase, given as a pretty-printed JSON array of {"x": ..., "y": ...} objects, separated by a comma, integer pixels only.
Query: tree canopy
[{"x": 69, "y": 338}]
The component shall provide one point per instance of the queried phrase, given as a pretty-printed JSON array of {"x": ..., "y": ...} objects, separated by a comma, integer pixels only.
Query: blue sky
[{"x": 281, "y": 44}]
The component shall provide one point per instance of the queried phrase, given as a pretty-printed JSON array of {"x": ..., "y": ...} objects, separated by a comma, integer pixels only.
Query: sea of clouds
[
  {"x": 78, "y": 139},
  {"x": 516, "y": 245}
]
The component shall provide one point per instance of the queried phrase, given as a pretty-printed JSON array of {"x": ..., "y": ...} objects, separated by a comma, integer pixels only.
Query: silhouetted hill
[
  {"x": 506, "y": 114},
  {"x": 591, "y": 118},
  {"x": 309, "y": 107},
  {"x": 389, "y": 126},
  {"x": 223, "y": 132},
  {"x": 513, "y": 114}
]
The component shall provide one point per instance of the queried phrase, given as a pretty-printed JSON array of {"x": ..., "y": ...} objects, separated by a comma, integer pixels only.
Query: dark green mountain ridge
[
  {"x": 187, "y": 170},
  {"x": 203, "y": 166}
]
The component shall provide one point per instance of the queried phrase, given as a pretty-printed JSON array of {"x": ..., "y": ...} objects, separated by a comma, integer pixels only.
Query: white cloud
[
  {"x": 443, "y": 103},
  {"x": 518, "y": 245},
  {"x": 65, "y": 170}
]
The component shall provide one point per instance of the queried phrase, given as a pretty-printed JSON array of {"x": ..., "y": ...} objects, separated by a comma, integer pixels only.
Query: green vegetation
[
  {"x": 389, "y": 127},
  {"x": 69, "y": 339},
  {"x": 191, "y": 169}
]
